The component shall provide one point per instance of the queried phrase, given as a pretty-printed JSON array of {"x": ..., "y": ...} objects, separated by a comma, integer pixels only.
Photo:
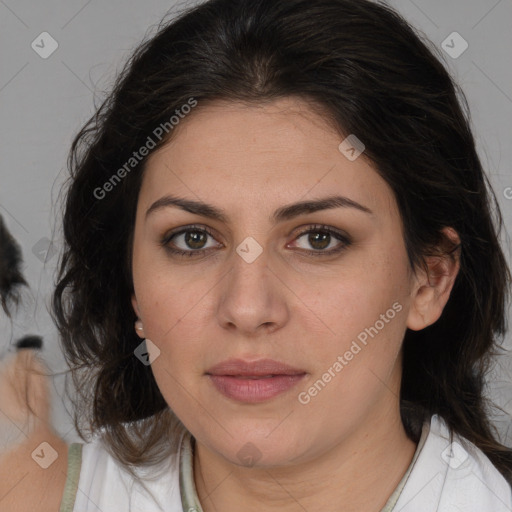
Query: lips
[
  {"x": 253, "y": 382},
  {"x": 254, "y": 369}
]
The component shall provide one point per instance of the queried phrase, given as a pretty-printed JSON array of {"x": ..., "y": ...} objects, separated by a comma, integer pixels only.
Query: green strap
[
  {"x": 73, "y": 475},
  {"x": 189, "y": 498}
]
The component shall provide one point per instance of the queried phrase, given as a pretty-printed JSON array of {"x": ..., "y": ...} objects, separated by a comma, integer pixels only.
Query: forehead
[{"x": 252, "y": 155}]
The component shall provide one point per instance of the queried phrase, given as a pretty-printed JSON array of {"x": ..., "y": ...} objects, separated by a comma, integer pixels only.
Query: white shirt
[{"x": 443, "y": 477}]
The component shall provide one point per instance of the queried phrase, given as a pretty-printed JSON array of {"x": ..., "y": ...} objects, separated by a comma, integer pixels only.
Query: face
[{"x": 326, "y": 292}]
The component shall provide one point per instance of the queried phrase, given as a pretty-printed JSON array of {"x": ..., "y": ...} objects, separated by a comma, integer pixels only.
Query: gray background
[{"x": 44, "y": 101}]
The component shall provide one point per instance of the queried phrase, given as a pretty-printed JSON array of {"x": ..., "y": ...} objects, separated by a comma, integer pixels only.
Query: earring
[{"x": 138, "y": 325}]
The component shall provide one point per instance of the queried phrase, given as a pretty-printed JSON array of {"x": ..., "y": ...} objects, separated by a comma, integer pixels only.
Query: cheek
[
  {"x": 172, "y": 306},
  {"x": 357, "y": 353},
  {"x": 364, "y": 315},
  {"x": 354, "y": 298},
  {"x": 166, "y": 294}
]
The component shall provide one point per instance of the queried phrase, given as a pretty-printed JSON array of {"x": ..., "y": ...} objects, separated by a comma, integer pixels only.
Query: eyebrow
[{"x": 281, "y": 214}]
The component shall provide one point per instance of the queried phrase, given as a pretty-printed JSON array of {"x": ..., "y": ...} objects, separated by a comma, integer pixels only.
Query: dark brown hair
[
  {"x": 375, "y": 77},
  {"x": 11, "y": 278}
]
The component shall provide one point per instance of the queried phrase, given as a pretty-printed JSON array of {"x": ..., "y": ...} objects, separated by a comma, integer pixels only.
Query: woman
[{"x": 282, "y": 281}]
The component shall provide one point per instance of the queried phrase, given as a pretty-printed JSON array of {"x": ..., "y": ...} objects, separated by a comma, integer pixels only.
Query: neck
[{"x": 360, "y": 473}]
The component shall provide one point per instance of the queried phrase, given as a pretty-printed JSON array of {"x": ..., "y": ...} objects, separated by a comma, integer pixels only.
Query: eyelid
[
  {"x": 344, "y": 238},
  {"x": 183, "y": 229},
  {"x": 306, "y": 228}
]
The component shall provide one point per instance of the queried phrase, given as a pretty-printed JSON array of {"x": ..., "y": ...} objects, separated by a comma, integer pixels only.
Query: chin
[{"x": 251, "y": 445}]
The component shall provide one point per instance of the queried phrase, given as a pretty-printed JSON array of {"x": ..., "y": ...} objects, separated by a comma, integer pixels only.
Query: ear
[
  {"x": 139, "y": 328},
  {"x": 433, "y": 288}
]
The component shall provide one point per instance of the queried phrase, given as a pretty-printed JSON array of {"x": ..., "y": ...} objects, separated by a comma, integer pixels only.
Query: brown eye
[
  {"x": 319, "y": 240},
  {"x": 190, "y": 241},
  {"x": 195, "y": 239},
  {"x": 322, "y": 240}
]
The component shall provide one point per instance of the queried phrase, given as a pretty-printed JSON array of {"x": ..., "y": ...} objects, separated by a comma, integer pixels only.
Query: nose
[{"x": 253, "y": 298}]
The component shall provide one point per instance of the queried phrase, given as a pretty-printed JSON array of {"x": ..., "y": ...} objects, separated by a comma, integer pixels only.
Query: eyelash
[{"x": 316, "y": 228}]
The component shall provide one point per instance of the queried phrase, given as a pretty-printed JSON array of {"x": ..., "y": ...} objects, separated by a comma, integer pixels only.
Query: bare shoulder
[{"x": 33, "y": 474}]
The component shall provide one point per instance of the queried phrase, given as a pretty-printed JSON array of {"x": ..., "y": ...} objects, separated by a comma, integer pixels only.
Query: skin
[
  {"x": 25, "y": 424},
  {"x": 347, "y": 445}
]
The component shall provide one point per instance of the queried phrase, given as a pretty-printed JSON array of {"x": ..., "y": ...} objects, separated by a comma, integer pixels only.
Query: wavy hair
[
  {"x": 11, "y": 277},
  {"x": 372, "y": 75}
]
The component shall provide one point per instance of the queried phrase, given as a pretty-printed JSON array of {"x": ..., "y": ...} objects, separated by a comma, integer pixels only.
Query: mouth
[
  {"x": 253, "y": 382},
  {"x": 259, "y": 368},
  {"x": 252, "y": 376}
]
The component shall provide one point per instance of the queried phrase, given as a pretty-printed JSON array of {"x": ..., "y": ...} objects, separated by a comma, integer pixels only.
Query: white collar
[{"x": 453, "y": 475}]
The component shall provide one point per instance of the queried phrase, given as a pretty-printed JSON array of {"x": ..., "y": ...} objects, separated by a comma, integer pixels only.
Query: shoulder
[
  {"x": 106, "y": 484},
  {"x": 452, "y": 472},
  {"x": 33, "y": 474}
]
